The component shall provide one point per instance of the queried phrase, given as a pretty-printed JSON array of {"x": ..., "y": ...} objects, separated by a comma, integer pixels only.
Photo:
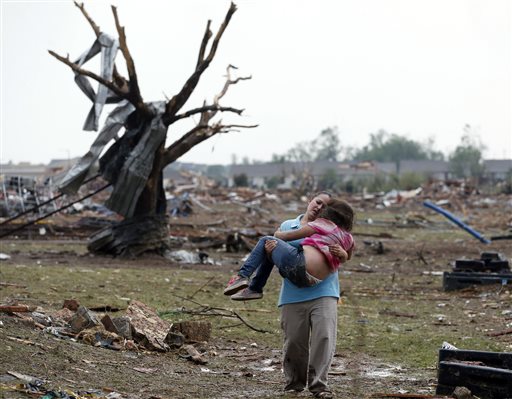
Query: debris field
[{"x": 81, "y": 325}]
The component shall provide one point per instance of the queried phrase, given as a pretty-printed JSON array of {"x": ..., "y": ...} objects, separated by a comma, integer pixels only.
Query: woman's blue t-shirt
[{"x": 290, "y": 293}]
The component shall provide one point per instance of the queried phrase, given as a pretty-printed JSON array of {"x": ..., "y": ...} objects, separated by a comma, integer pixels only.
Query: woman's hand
[
  {"x": 278, "y": 234},
  {"x": 270, "y": 246},
  {"x": 339, "y": 252}
]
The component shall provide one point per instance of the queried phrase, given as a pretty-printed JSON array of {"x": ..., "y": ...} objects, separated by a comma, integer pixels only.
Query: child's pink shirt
[{"x": 327, "y": 233}]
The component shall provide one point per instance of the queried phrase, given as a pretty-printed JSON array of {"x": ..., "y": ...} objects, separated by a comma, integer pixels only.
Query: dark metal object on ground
[
  {"x": 489, "y": 261},
  {"x": 505, "y": 237},
  {"x": 459, "y": 280},
  {"x": 481, "y": 266},
  {"x": 491, "y": 268},
  {"x": 487, "y": 374}
]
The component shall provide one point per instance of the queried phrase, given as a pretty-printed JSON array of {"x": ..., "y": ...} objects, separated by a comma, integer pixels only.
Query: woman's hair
[
  {"x": 328, "y": 193},
  {"x": 340, "y": 213}
]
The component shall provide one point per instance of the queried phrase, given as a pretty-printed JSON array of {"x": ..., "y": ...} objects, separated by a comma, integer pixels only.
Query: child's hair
[{"x": 340, "y": 213}]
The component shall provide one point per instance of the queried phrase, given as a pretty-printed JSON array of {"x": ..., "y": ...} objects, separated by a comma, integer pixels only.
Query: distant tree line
[{"x": 466, "y": 161}]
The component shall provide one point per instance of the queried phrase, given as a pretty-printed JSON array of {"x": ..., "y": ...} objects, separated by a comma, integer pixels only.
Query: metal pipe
[{"x": 457, "y": 221}]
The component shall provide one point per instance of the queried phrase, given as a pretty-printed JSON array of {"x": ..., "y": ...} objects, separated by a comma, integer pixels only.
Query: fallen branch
[
  {"x": 230, "y": 326},
  {"x": 194, "y": 355},
  {"x": 388, "y": 312},
  {"x": 28, "y": 320},
  {"x": 255, "y": 310},
  {"x": 406, "y": 395},
  {"x": 12, "y": 285},
  {"x": 194, "y": 225},
  {"x": 498, "y": 333},
  {"x": 200, "y": 288},
  {"x": 16, "y": 308},
  {"x": 27, "y": 342},
  {"x": 215, "y": 311}
]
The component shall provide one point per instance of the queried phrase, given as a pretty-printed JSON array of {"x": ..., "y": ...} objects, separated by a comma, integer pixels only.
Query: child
[{"x": 311, "y": 262}]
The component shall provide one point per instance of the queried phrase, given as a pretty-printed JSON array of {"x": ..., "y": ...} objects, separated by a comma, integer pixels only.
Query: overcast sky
[{"x": 418, "y": 68}]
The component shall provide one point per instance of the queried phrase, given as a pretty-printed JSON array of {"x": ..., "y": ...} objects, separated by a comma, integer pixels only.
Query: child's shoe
[
  {"x": 236, "y": 284},
  {"x": 246, "y": 295}
]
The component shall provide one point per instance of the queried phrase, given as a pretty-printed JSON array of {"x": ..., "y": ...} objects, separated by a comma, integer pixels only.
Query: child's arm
[
  {"x": 290, "y": 235},
  {"x": 350, "y": 252},
  {"x": 339, "y": 252}
]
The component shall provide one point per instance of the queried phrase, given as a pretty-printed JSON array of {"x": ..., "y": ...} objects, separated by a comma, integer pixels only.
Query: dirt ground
[{"x": 393, "y": 315}]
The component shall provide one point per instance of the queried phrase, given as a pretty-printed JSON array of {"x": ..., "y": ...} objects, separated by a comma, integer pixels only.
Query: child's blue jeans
[{"x": 289, "y": 260}]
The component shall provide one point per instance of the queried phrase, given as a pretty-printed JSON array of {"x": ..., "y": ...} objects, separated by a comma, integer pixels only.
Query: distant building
[
  {"x": 438, "y": 170},
  {"x": 258, "y": 175},
  {"x": 497, "y": 169},
  {"x": 37, "y": 172},
  {"x": 175, "y": 173}
]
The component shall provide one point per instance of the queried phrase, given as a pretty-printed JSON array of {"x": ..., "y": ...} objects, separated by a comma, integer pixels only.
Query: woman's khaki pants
[{"x": 309, "y": 342}]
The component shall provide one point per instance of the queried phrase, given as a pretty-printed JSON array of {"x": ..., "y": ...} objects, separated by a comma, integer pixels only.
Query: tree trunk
[
  {"x": 152, "y": 199},
  {"x": 132, "y": 237},
  {"x": 147, "y": 230}
]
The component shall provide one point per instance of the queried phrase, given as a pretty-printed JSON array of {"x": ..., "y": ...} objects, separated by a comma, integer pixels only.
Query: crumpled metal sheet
[
  {"x": 108, "y": 47},
  {"x": 138, "y": 165},
  {"x": 129, "y": 162},
  {"x": 78, "y": 173}
]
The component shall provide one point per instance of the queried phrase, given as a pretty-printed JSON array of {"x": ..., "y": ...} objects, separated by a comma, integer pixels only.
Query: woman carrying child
[
  {"x": 308, "y": 315},
  {"x": 312, "y": 261}
]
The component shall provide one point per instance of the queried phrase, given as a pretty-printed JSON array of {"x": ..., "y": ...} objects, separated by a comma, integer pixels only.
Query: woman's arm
[{"x": 290, "y": 235}]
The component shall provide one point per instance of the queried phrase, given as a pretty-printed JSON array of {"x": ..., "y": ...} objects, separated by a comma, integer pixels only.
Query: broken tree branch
[
  {"x": 405, "y": 395},
  {"x": 207, "y": 311},
  {"x": 28, "y": 342},
  {"x": 134, "y": 91},
  {"x": 177, "y": 101},
  {"x": 195, "y": 136},
  {"x": 185, "y": 143},
  {"x": 228, "y": 83},
  {"x": 229, "y": 128},
  {"x": 220, "y": 32},
  {"x": 200, "y": 288},
  {"x": 114, "y": 88},
  {"x": 204, "y": 130},
  {"x": 498, "y": 333},
  {"x": 117, "y": 77},
  {"x": 4, "y": 284},
  {"x": 206, "y": 38},
  {"x": 207, "y": 108},
  {"x": 16, "y": 308},
  {"x": 94, "y": 27}
]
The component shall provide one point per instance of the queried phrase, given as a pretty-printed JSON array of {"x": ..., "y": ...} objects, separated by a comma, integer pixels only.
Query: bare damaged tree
[{"x": 133, "y": 164}]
